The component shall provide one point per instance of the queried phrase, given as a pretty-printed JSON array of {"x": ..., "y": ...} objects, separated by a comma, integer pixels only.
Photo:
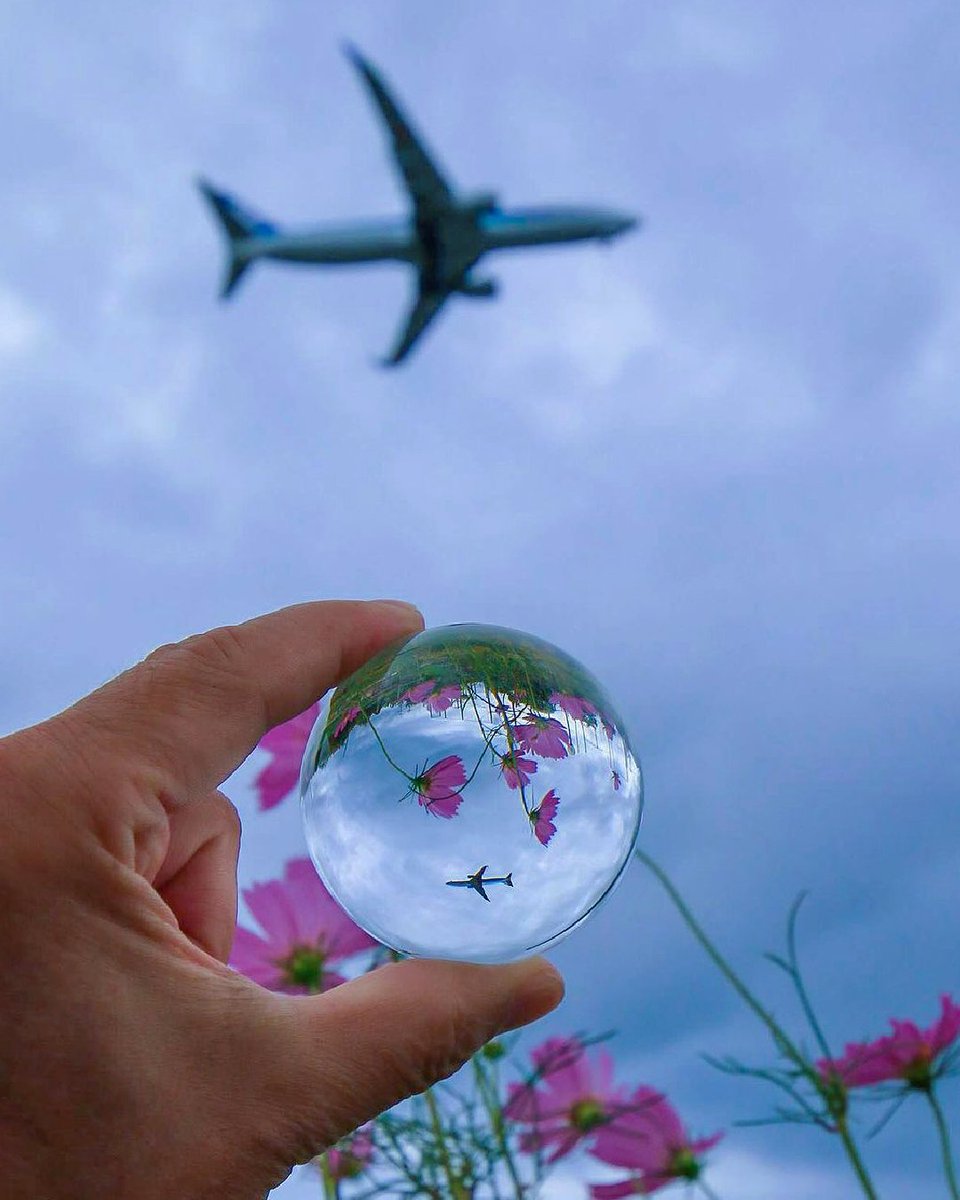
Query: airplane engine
[
  {"x": 479, "y": 203},
  {"x": 484, "y": 289}
]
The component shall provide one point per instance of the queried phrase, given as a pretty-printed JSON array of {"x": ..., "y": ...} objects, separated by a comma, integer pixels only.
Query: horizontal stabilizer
[{"x": 241, "y": 226}]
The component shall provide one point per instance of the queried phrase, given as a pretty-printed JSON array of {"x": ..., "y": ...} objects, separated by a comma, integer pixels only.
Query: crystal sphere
[{"x": 470, "y": 793}]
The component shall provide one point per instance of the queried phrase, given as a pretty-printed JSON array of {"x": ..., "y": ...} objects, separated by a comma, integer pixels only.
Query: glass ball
[{"x": 470, "y": 794}]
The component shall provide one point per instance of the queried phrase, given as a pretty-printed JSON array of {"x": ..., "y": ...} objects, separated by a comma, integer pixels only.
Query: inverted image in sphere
[{"x": 470, "y": 794}]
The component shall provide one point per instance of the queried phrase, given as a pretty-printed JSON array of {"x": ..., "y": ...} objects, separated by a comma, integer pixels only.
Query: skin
[{"x": 133, "y": 1062}]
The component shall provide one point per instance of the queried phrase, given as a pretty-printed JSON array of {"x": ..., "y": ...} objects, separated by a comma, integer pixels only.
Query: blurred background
[{"x": 717, "y": 461}]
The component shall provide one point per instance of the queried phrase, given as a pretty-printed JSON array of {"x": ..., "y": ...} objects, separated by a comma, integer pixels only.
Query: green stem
[
  {"x": 329, "y": 1183},
  {"x": 948, "y": 1168},
  {"x": 441, "y": 1141},
  {"x": 496, "y": 1121},
  {"x": 780, "y": 1038},
  {"x": 853, "y": 1155}
]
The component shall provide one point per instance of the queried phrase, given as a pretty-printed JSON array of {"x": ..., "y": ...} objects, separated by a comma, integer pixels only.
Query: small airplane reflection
[{"x": 477, "y": 881}]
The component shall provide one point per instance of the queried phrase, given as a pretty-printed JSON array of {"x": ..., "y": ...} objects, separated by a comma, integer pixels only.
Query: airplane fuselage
[{"x": 465, "y": 238}]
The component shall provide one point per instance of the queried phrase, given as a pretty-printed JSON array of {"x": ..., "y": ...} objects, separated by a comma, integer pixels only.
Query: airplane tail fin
[
  {"x": 508, "y": 879},
  {"x": 241, "y": 226}
]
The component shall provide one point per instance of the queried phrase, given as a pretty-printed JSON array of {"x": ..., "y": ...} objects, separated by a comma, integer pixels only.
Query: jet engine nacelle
[
  {"x": 484, "y": 288},
  {"x": 478, "y": 203}
]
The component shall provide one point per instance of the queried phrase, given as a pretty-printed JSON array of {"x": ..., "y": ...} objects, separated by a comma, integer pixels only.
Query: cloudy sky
[{"x": 716, "y": 461}]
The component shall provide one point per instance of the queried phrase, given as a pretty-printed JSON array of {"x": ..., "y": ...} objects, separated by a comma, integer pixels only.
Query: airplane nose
[{"x": 624, "y": 223}]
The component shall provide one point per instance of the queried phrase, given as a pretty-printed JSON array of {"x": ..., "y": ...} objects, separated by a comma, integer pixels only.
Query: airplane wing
[
  {"x": 426, "y": 307},
  {"x": 476, "y": 881},
  {"x": 424, "y": 181}
]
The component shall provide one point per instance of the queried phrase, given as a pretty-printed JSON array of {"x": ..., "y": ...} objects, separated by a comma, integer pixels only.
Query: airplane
[
  {"x": 476, "y": 881},
  {"x": 445, "y": 236}
]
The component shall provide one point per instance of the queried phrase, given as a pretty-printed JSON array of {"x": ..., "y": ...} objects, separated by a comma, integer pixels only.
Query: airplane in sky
[
  {"x": 445, "y": 236},
  {"x": 477, "y": 881}
]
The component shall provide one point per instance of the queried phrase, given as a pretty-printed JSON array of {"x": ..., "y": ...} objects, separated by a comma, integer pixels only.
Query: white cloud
[{"x": 22, "y": 326}]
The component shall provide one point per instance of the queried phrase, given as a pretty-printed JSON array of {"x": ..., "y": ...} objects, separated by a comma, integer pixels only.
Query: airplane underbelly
[{"x": 332, "y": 252}]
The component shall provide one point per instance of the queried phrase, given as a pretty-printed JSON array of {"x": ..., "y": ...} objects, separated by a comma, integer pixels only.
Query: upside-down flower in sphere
[
  {"x": 351, "y": 1156},
  {"x": 419, "y": 692},
  {"x": 306, "y": 933},
  {"x": 543, "y": 736},
  {"x": 651, "y": 1142},
  {"x": 574, "y": 706},
  {"x": 516, "y": 770},
  {"x": 542, "y": 817},
  {"x": 286, "y": 744},
  {"x": 909, "y": 1055},
  {"x": 570, "y": 1098},
  {"x": 436, "y": 786},
  {"x": 439, "y": 701}
]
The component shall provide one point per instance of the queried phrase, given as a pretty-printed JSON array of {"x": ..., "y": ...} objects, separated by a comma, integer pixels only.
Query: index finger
[{"x": 190, "y": 713}]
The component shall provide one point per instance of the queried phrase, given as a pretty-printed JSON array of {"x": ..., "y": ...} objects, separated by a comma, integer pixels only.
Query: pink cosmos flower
[
  {"x": 574, "y": 706},
  {"x": 351, "y": 1156},
  {"x": 286, "y": 744},
  {"x": 346, "y": 720},
  {"x": 419, "y": 692},
  {"x": 516, "y": 771},
  {"x": 650, "y": 1141},
  {"x": 909, "y": 1055},
  {"x": 306, "y": 932},
  {"x": 436, "y": 786},
  {"x": 442, "y": 699},
  {"x": 543, "y": 736},
  {"x": 541, "y": 818},
  {"x": 577, "y": 1098}
]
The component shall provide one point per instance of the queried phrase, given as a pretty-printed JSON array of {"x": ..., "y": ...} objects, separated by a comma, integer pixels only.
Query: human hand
[{"x": 133, "y": 1061}]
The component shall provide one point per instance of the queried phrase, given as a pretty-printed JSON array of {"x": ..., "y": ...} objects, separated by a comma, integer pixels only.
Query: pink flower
[
  {"x": 286, "y": 743},
  {"x": 543, "y": 736},
  {"x": 436, "y": 786},
  {"x": 441, "y": 700},
  {"x": 577, "y": 1098},
  {"x": 908, "y": 1055},
  {"x": 351, "y": 1156},
  {"x": 574, "y": 706},
  {"x": 542, "y": 817},
  {"x": 516, "y": 770},
  {"x": 346, "y": 720},
  {"x": 650, "y": 1141},
  {"x": 419, "y": 692},
  {"x": 306, "y": 933}
]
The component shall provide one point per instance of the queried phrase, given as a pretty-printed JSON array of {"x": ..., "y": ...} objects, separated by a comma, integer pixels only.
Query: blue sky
[{"x": 716, "y": 461}]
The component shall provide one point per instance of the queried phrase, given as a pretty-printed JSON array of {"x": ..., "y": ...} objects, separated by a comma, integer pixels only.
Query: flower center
[
  {"x": 587, "y": 1115},
  {"x": 917, "y": 1073},
  {"x": 304, "y": 968},
  {"x": 683, "y": 1165}
]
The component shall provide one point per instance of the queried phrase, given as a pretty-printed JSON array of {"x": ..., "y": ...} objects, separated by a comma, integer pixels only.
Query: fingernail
[
  {"x": 538, "y": 991},
  {"x": 409, "y": 610}
]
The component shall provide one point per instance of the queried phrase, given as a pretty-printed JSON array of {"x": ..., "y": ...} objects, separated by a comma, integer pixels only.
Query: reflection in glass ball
[{"x": 470, "y": 794}]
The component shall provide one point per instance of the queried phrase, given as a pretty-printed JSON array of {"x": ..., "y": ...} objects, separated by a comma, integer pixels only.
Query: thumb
[{"x": 348, "y": 1055}]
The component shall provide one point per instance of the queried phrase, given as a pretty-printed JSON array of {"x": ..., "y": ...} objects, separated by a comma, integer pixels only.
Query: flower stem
[
  {"x": 441, "y": 1141},
  {"x": 780, "y": 1038},
  {"x": 495, "y": 1113},
  {"x": 329, "y": 1183},
  {"x": 853, "y": 1155},
  {"x": 948, "y": 1168}
]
